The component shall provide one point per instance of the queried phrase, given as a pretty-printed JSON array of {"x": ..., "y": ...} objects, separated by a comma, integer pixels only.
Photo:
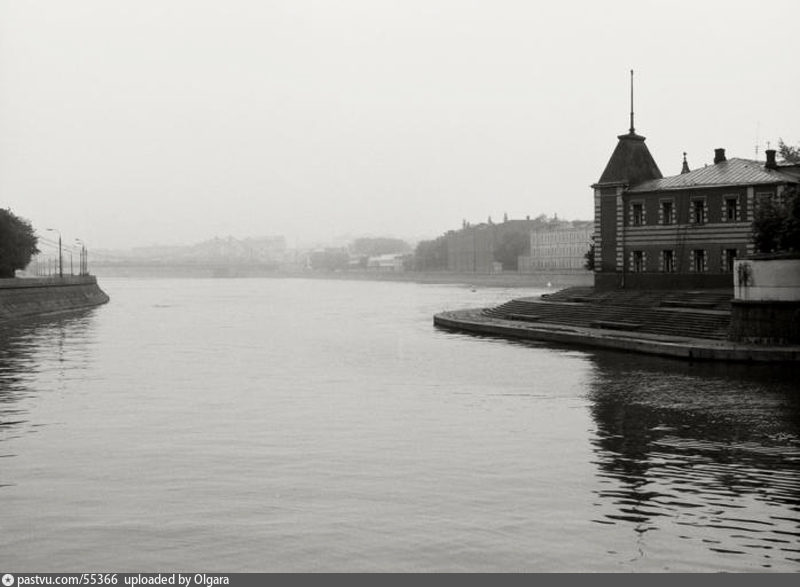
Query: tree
[
  {"x": 776, "y": 226},
  {"x": 17, "y": 243},
  {"x": 330, "y": 259},
  {"x": 788, "y": 154},
  {"x": 588, "y": 264},
  {"x": 373, "y": 246},
  {"x": 512, "y": 245},
  {"x": 431, "y": 255}
]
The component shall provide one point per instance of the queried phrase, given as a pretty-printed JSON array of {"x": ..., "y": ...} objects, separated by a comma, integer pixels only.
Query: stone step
[{"x": 650, "y": 320}]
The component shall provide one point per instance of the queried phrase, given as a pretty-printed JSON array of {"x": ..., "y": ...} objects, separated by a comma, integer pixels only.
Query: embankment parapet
[{"x": 26, "y": 297}]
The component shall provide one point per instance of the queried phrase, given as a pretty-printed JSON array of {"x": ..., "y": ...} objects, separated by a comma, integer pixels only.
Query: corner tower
[{"x": 630, "y": 164}]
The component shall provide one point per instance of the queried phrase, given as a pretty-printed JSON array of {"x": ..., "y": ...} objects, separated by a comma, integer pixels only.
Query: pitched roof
[
  {"x": 630, "y": 163},
  {"x": 731, "y": 172}
]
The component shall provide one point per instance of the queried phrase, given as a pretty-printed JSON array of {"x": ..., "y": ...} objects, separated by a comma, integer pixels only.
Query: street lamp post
[
  {"x": 60, "y": 260},
  {"x": 84, "y": 269}
]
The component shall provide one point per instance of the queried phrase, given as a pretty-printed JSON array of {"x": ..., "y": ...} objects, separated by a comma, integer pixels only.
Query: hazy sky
[{"x": 138, "y": 122}]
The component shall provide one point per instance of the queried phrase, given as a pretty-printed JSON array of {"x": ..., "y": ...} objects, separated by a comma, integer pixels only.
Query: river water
[{"x": 312, "y": 425}]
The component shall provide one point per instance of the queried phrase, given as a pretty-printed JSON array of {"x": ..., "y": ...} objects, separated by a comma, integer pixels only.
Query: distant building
[
  {"x": 519, "y": 245},
  {"x": 389, "y": 262},
  {"x": 471, "y": 249},
  {"x": 682, "y": 231},
  {"x": 562, "y": 249}
]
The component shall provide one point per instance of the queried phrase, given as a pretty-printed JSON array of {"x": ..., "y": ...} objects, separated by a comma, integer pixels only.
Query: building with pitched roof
[{"x": 682, "y": 231}]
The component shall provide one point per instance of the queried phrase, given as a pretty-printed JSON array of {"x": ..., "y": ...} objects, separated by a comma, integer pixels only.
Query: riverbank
[
  {"x": 505, "y": 279},
  {"x": 696, "y": 349},
  {"x": 686, "y": 325},
  {"x": 36, "y": 296}
]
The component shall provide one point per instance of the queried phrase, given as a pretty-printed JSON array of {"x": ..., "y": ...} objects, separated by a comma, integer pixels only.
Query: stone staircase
[
  {"x": 680, "y": 314},
  {"x": 707, "y": 299}
]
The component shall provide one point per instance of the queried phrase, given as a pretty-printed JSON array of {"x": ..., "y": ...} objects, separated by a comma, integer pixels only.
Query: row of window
[
  {"x": 698, "y": 261},
  {"x": 698, "y": 213},
  {"x": 560, "y": 250},
  {"x": 561, "y": 236}
]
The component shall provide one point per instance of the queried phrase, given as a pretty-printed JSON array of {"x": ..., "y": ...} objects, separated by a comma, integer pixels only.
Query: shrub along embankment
[{"x": 24, "y": 297}]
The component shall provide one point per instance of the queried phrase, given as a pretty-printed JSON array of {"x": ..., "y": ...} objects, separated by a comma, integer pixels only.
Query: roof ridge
[{"x": 732, "y": 171}]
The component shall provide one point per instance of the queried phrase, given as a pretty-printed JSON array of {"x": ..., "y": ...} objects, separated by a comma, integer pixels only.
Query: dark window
[
  {"x": 669, "y": 261},
  {"x": 638, "y": 261},
  {"x": 666, "y": 212},
  {"x": 700, "y": 261},
  {"x": 732, "y": 209},
  {"x": 730, "y": 257},
  {"x": 699, "y": 211},
  {"x": 638, "y": 215}
]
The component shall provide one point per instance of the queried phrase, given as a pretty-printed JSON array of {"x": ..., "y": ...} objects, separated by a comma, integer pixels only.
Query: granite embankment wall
[{"x": 24, "y": 297}]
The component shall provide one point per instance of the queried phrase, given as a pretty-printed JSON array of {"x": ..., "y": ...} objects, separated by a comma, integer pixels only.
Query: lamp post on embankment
[
  {"x": 83, "y": 270},
  {"x": 60, "y": 260}
]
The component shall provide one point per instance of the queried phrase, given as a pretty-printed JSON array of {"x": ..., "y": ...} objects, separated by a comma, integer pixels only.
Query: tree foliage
[
  {"x": 788, "y": 153},
  {"x": 431, "y": 255},
  {"x": 18, "y": 243},
  {"x": 330, "y": 260},
  {"x": 776, "y": 226},
  {"x": 588, "y": 263},
  {"x": 510, "y": 247},
  {"x": 373, "y": 246}
]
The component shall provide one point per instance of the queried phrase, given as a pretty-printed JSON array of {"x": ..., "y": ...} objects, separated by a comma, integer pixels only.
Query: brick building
[{"x": 682, "y": 231}]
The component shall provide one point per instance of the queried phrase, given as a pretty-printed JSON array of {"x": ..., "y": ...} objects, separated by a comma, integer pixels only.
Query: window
[
  {"x": 762, "y": 197},
  {"x": 699, "y": 261},
  {"x": 638, "y": 261},
  {"x": 699, "y": 211},
  {"x": 637, "y": 213},
  {"x": 731, "y": 209},
  {"x": 667, "y": 213},
  {"x": 729, "y": 256},
  {"x": 668, "y": 261}
]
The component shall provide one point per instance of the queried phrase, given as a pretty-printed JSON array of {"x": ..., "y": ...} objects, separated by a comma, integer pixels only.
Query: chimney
[
  {"x": 770, "y": 164},
  {"x": 719, "y": 156}
]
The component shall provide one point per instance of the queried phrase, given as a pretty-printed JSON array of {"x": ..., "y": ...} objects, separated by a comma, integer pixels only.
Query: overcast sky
[{"x": 172, "y": 121}]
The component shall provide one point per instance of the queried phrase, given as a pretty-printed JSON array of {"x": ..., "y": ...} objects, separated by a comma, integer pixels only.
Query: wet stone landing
[{"x": 690, "y": 325}]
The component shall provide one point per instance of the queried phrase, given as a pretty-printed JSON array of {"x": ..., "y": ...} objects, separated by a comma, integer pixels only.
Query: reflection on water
[
  {"x": 310, "y": 425},
  {"x": 39, "y": 352},
  {"x": 706, "y": 452}
]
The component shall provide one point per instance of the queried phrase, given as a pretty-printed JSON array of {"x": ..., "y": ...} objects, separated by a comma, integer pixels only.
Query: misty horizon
[{"x": 154, "y": 123}]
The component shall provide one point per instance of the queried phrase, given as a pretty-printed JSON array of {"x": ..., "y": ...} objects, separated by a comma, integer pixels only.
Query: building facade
[
  {"x": 683, "y": 231},
  {"x": 526, "y": 246},
  {"x": 472, "y": 249},
  {"x": 391, "y": 262},
  {"x": 562, "y": 249}
]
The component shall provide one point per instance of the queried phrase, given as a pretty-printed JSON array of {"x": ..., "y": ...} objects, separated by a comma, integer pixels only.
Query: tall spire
[
  {"x": 631, "y": 162},
  {"x": 633, "y": 130}
]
